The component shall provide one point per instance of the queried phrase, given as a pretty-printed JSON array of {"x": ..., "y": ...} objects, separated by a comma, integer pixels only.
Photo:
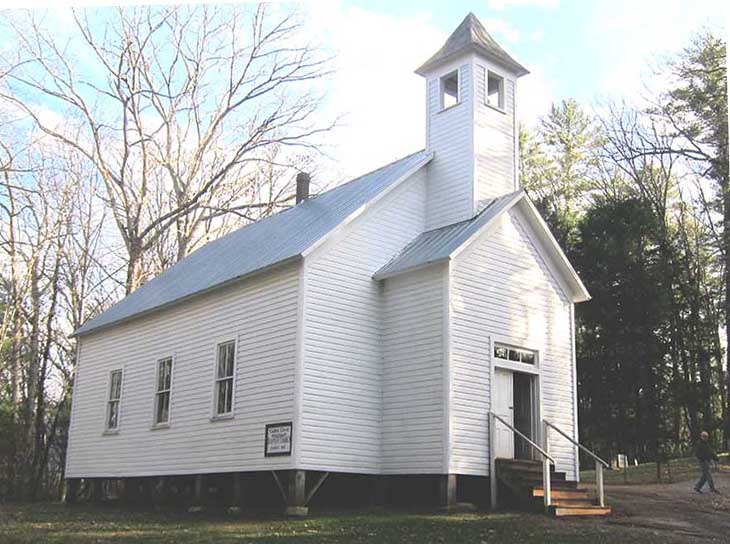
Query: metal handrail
[
  {"x": 581, "y": 446},
  {"x": 546, "y": 460},
  {"x": 600, "y": 463},
  {"x": 542, "y": 452}
]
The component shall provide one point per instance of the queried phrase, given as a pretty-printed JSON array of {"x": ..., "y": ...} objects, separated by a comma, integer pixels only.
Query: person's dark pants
[{"x": 706, "y": 476}]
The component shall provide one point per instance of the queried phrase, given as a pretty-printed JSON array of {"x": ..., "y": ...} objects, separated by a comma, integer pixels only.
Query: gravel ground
[{"x": 675, "y": 509}]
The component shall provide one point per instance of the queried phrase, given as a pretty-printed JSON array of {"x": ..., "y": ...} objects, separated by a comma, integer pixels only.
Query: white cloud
[
  {"x": 500, "y": 5},
  {"x": 650, "y": 33},
  {"x": 383, "y": 101},
  {"x": 535, "y": 95},
  {"x": 537, "y": 34},
  {"x": 502, "y": 27},
  {"x": 375, "y": 86}
]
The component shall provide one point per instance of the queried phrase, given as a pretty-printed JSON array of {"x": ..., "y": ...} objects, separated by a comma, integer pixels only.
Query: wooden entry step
[
  {"x": 588, "y": 510},
  {"x": 524, "y": 478}
]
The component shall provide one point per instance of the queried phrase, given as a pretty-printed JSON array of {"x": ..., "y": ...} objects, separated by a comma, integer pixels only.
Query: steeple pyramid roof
[{"x": 471, "y": 35}]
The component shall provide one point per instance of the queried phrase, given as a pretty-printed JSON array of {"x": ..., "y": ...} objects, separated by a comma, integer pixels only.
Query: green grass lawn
[
  {"x": 676, "y": 470},
  {"x": 56, "y": 523}
]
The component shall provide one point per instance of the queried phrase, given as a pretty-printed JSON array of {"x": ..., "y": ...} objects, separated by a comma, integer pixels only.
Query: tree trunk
[
  {"x": 134, "y": 265},
  {"x": 32, "y": 381},
  {"x": 41, "y": 443}
]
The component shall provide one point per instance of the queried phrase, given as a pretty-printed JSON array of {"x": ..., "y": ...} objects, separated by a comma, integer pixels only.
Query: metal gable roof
[
  {"x": 471, "y": 35},
  {"x": 442, "y": 244},
  {"x": 255, "y": 247},
  {"x": 437, "y": 245}
]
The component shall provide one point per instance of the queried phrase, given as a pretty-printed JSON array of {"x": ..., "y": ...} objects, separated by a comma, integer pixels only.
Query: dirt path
[{"x": 674, "y": 509}]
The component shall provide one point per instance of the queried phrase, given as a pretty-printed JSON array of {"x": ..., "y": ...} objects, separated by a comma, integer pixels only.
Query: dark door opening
[{"x": 523, "y": 413}]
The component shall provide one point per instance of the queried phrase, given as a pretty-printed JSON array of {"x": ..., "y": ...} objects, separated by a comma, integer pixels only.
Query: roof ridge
[
  {"x": 348, "y": 182},
  {"x": 446, "y": 238},
  {"x": 289, "y": 209},
  {"x": 256, "y": 246},
  {"x": 481, "y": 212},
  {"x": 471, "y": 35}
]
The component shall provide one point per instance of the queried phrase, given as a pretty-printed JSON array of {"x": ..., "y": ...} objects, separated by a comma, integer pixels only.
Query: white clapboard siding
[
  {"x": 449, "y": 137},
  {"x": 494, "y": 139},
  {"x": 260, "y": 313},
  {"x": 502, "y": 288},
  {"x": 413, "y": 374},
  {"x": 343, "y": 359}
]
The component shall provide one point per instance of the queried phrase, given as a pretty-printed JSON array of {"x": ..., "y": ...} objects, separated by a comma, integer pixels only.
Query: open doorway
[
  {"x": 523, "y": 413},
  {"x": 515, "y": 401}
]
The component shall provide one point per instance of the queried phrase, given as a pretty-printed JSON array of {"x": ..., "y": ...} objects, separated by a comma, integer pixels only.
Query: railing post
[
  {"x": 546, "y": 482},
  {"x": 492, "y": 463},
  {"x": 599, "y": 484}
]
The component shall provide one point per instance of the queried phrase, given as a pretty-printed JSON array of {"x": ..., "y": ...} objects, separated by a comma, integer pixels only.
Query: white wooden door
[{"x": 503, "y": 406}]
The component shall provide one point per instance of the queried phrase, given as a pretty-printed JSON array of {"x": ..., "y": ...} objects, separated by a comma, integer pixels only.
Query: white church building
[{"x": 415, "y": 321}]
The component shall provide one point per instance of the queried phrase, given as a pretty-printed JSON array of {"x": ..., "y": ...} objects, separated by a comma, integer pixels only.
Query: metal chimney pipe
[{"x": 303, "y": 180}]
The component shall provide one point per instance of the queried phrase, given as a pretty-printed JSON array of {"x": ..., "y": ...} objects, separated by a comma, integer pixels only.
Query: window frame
[
  {"x": 215, "y": 416},
  {"x": 501, "y": 94},
  {"x": 442, "y": 89},
  {"x": 109, "y": 401},
  {"x": 156, "y": 395},
  {"x": 506, "y": 362}
]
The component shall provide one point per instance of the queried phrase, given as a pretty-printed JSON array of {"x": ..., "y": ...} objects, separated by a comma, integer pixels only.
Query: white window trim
[
  {"x": 515, "y": 365},
  {"x": 215, "y": 416},
  {"x": 107, "y": 400},
  {"x": 502, "y": 108},
  {"x": 496, "y": 362},
  {"x": 165, "y": 424},
  {"x": 442, "y": 105}
]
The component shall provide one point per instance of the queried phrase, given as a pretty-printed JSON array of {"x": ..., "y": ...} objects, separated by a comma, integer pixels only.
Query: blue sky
[
  {"x": 577, "y": 44},
  {"x": 594, "y": 51},
  {"x": 590, "y": 50}
]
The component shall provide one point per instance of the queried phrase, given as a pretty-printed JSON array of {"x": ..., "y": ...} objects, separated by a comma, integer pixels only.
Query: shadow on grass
[{"x": 53, "y": 523}]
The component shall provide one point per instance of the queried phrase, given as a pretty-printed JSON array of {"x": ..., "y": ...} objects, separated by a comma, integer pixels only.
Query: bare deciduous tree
[{"x": 175, "y": 107}]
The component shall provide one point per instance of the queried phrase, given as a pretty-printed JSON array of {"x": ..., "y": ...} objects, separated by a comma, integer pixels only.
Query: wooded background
[{"x": 134, "y": 136}]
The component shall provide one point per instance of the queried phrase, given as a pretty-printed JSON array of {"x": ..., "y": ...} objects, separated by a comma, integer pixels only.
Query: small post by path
[{"x": 669, "y": 470}]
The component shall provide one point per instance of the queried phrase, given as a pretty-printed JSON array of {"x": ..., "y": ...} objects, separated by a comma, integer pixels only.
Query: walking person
[{"x": 705, "y": 455}]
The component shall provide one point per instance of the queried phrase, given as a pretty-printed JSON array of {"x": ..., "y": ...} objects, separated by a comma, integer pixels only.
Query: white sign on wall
[{"x": 278, "y": 439}]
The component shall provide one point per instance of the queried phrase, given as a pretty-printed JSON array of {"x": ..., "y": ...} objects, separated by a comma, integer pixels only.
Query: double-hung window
[
  {"x": 225, "y": 369},
  {"x": 115, "y": 397},
  {"x": 162, "y": 393}
]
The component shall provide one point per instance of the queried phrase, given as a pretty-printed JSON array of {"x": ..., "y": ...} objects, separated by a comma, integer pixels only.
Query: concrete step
[{"x": 562, "y": 511}]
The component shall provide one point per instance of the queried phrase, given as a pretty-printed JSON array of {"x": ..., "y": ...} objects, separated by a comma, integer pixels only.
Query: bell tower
[{"x": 470, "y": 124}]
